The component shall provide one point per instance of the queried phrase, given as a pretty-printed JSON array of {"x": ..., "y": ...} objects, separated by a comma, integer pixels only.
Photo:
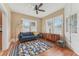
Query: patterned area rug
[{"x": 31, "y": 48}]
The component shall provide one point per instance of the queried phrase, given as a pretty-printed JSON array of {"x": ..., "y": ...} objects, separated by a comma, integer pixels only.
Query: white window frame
[
  {"x": 53, "y": 25},
  {"x": 31, "y": 21},
  {"x": 47, "y": 28}
]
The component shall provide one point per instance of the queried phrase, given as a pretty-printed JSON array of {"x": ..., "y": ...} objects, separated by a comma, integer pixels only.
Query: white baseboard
[{"x": 74, "y": 50}]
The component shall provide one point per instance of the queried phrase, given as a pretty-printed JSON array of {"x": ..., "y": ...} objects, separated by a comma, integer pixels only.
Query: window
[
  {"x": 49, "y": 26},
  {"x": 58, "y": 23},
  {"x": 33, "y": 27},
  {"x": 29, "y": 26},
  {"x": 55, "y": 25},
  {"x": 26, "y": 26}
]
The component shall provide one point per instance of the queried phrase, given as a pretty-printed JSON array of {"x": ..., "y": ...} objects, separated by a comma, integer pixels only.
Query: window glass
[
  {"x": 55, "y": 25},
  {"x": 58, "y": 22},
  {"x": 29, "y": 26}
]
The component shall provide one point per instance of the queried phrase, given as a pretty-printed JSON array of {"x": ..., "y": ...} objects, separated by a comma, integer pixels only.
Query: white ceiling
[{"x": 28, "y": 8}]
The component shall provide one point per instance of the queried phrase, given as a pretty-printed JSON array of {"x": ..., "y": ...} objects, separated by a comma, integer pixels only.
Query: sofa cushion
[
  {"x": 26, "y": 33},
  {"x": 35, "y": 33}
]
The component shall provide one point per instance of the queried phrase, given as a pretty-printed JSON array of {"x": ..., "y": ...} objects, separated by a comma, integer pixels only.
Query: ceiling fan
[{"x": 37, "y": 8}]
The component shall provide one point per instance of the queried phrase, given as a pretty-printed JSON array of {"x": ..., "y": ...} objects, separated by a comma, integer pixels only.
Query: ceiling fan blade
[
  {"x": 41, "y": 10},
  {"x": 35, "y": 7},
  {"x": 36, "y": 11},
  {"x": 40, "y": 5}
]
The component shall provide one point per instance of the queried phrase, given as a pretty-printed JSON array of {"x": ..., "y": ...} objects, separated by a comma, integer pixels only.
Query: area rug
[{"x": 31, "y": 48}]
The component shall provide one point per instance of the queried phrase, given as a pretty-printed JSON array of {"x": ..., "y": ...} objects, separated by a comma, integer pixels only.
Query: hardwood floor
[
  {"x": 7, "y": 52},
  {"x": 54, "y": 51},
  {"x": 58, "y": 51}
]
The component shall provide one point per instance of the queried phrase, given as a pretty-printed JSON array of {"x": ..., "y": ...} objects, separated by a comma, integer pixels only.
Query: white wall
[{"x": 69, "y": 10}]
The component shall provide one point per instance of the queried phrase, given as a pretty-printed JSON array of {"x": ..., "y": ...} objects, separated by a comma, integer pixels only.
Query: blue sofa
[{"x": 27, "y": 36}]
